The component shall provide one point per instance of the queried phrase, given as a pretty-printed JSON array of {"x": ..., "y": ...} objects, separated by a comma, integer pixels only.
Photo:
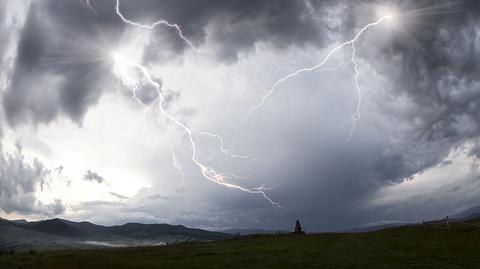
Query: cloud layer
[{"x": 423, "y": 106}]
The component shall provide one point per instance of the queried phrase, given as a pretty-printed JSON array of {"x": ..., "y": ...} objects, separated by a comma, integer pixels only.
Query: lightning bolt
[
  {"x": 153, "y": 25},
  {"x": 225, "y": 150},
  {"x": 320, "y": 65},
  {"x": 89, "y": 5},
  {"x": 208, "y": 172},
  {"x": 176, "y": 164}
]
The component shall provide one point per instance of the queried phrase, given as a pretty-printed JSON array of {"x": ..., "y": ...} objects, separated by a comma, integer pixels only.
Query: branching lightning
[
  {"x": 176, "y": 164},
  {"x": 225, "y": 150},
  {"x": 208, "y": 172},
  {"x": 320, "y": 66},
  {"x": 153, "y": 25}
]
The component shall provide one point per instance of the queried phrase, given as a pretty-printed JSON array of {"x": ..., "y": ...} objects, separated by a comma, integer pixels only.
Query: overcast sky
[{"x": 102, "y": 111}]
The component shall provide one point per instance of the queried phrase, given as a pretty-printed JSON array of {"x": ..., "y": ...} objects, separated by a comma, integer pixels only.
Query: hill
[
  {"x": 415, "y": 246},
  {"x": 56, "y": 234}
]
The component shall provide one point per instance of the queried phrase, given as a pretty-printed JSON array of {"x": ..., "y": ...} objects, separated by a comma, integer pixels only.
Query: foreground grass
[{"x": 406, "y": 247}]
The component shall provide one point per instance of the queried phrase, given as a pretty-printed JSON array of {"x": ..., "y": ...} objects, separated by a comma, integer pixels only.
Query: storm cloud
[
  {"x": 439, "y": 71},
  {"x": 422, "y": 104},
  {"x": 236, "y": 26},
  {"x": 60, "y": 63}
]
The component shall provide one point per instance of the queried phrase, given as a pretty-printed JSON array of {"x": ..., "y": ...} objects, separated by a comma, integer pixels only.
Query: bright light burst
[{"x": 391, "y": 13}]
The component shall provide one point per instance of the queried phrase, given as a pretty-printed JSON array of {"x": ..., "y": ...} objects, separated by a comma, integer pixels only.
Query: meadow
[{"x": 429, "y": 246}]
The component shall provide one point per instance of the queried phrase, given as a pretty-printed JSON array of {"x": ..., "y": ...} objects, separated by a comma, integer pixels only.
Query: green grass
[{"x": 406, "y": 247}]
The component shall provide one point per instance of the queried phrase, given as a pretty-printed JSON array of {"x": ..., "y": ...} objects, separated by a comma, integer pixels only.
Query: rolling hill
[{"x": 56, "y": 234}]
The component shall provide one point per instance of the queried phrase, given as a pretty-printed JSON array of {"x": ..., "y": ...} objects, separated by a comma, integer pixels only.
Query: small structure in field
[{"x": 298, "y": 228}]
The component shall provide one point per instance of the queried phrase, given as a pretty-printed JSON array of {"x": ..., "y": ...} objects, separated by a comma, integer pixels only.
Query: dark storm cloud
[
  {"x": 235, "y": 26},
  {"x": 60, "y": 61},
  {"x": 439, "y": 73},
  {"x": 92, "y": 176},
  {"x": 57, "y": 66}
]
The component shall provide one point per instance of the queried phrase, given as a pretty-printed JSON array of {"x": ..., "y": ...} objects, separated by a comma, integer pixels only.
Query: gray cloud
[
  {"x": 60, "y": 62},
  {"x": 54, "y": 209},
  {"x": 439, "y": 70},
  {"x": 60, "y": 65},
  {"x": 19, "y": 180},
  {"x": 4, "y": 33},
  {"x": 119, "y": 196},
  {"x": 92, "y": 176},
  {"x": 236, "y": 26}
]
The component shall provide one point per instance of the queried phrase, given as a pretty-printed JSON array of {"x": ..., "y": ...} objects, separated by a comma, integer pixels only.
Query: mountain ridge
[{"x": 54, "y": 234}]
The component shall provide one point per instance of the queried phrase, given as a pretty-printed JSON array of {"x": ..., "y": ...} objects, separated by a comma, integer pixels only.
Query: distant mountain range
[{"x": 55, "y": 234}]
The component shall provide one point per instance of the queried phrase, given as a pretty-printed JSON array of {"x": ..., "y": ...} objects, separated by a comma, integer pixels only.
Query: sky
[{"x": 225, "y": 114}]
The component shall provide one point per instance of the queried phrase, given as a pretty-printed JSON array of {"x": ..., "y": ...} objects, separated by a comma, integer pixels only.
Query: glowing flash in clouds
[
  {"x": 122, "y": 65},
  {"x": 356, "y": 115}
]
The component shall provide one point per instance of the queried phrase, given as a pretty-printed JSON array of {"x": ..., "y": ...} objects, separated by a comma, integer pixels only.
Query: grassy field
[{"x": 405, "y": 247}]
